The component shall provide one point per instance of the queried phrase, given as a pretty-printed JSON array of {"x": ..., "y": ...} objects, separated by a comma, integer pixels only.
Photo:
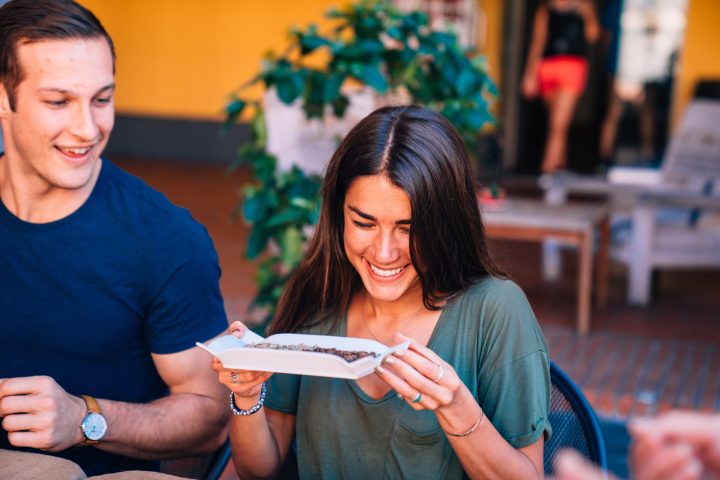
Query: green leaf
[
  {"x": 232, "y": 112},
  {"x": 370, "y": 74},
  {"x": 339, "y": 105},
  {"x": 255, "y": 208},
  {"x": 475, "y": 119},
  {"x": 369, "y": 47},
  {"x": 442, "y": 38},
  {"x": 257, "y": 240},
  {"x": 310, "y": 41},
  {"x": 314, "y": 95},
  {"x": 332, "y": 86},
  {"x": 259, "y": 128},
  {"x": 395, "y": 33},
  {"x": 289, "y": 87},
  {"x": 465, "y": 82},
  {"x": 292, "y": 247},
  {"x": 290, "y": 216}
]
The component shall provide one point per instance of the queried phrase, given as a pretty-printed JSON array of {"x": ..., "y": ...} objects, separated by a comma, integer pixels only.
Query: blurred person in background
[
  {"x": 680, "y": 445},
  {"x": 557, "y": 68}
]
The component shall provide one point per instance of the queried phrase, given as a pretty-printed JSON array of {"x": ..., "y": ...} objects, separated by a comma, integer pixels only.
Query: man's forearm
[{"x": 181, "y": 424}]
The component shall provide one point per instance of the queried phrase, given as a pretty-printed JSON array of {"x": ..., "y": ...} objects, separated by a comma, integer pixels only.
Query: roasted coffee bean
[{"x": 348, "y": 356}]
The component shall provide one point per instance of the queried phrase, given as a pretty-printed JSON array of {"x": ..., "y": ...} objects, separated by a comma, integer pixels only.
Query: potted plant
[{"x": 370, "y": 44}]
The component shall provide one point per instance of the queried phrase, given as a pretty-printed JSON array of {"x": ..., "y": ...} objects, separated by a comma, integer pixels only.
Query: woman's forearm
[
  {"x": 537, "y": 41},
  {"x": 484, "y": 453},
  {"x": 255, "y": 450}
]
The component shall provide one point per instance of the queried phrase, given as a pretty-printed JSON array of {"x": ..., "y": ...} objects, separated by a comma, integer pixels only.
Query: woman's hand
[
  {"x": 245, "y": 384},
  {"x": 420, "y": 377},
  {"x": 530, "y": 85}
]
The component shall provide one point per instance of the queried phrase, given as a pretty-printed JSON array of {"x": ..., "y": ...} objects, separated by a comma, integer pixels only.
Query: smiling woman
[{"x": 399, "y": 254}]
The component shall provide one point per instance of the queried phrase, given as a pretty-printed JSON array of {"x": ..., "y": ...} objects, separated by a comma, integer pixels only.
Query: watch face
[{"x": 94, "y": 426}]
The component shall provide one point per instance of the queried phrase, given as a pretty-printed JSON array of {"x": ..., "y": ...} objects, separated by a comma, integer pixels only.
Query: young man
[{"x": 105, "y": 286}]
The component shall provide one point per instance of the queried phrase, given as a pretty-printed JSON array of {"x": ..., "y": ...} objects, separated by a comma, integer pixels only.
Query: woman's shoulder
[
  {"x": 495, "y": 303},
  {"x": 499, "y": 309},
  {"x": 494, "y": 289}
]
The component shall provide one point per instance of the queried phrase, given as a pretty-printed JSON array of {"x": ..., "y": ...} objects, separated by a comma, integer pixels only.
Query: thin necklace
[{"x": 367, "y": 327}]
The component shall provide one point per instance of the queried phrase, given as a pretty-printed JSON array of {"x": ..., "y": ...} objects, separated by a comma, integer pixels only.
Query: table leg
[
  {"x": 601, "y": 278},
  {"x": 585, "y": 281}
]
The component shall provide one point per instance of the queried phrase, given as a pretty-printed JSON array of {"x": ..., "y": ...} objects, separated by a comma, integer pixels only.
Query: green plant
[{"x": 370, "y": 43}]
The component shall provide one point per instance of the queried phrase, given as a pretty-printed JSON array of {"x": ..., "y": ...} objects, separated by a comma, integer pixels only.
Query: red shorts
[{"x": 562, "y": 72}]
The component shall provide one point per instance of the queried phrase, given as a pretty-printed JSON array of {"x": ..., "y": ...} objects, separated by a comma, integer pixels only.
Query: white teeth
[
  {"x": 385, "y": 273},
  {"x": 75, "y": 151}
]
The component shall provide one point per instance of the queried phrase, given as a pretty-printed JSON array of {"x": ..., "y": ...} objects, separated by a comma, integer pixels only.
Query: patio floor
[{"x": 636, "y": 361}]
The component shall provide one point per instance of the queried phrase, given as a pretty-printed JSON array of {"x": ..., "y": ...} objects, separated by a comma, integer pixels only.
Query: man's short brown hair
[{"x": 28, "y": 21}]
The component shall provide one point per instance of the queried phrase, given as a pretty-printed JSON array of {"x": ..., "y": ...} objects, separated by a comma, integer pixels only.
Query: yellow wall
[
  {"x": 492, "y": 48},
  {"x": 181, "y": 58},
  {"x": 699, "y": 58}
]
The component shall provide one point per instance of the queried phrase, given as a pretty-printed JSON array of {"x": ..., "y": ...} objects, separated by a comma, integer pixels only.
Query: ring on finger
[
  {"x": 418, "y": 398},
  {"x": 400, "y": 397},
  {"x": 234, "y": 377},
  {"x": 440, "y": 373}
]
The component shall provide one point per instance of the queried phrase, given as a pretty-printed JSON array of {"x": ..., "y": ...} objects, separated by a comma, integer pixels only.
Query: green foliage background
[{"x": 373, "y": 44}]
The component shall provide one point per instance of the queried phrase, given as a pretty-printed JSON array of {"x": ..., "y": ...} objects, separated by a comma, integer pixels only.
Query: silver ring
[
  {"x": 234, "y": 377},
  {"x": 400, "y": 397},
  {"x": 418, "y": 398},
  {"x": 440, "y": 375}
]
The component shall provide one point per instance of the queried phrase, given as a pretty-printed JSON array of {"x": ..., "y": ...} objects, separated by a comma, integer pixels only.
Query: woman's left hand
[{"x": 420, "y": 376}]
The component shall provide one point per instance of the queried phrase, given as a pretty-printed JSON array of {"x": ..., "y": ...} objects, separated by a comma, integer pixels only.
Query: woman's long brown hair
[{"x": 420, "y": 152}]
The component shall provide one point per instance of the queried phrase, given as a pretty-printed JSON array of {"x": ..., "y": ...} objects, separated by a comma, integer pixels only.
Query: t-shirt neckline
[
  {"x": 359, "y": 392},
  {"x": 7, "y": 215}
]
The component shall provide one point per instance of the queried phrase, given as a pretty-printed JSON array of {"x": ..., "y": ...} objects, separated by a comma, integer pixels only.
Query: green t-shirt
[{"x": 488, "y": 334}]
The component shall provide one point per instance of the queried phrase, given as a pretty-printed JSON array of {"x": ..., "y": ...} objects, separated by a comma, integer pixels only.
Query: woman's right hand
[
  {"x": 530, "y": 85},
  {"x": 245, "y": 384}
]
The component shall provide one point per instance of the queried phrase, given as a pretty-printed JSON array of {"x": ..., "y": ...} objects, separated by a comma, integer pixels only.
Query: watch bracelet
[{"x": 240, "y": 412}]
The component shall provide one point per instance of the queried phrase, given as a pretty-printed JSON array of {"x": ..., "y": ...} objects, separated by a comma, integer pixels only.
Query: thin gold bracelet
[{"x": 472, "y": 429}]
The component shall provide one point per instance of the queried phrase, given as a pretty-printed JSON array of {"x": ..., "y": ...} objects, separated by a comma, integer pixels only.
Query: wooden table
[{"x": 570, "y": 223}]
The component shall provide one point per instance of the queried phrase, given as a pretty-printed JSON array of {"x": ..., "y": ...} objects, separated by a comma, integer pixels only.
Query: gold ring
[
  {"x": 418, "y": 398},
  {"x": 440, "y": 375}
]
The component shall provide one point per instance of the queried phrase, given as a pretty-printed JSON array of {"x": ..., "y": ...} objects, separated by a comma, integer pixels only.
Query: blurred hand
[
  {"x": 683, "y": 445},
  {"x": 38, "y": 413},
  {"x": 245, "y": 384},
  {"x": 530, "y": 85},
  {"x": 569, "y": 465}
]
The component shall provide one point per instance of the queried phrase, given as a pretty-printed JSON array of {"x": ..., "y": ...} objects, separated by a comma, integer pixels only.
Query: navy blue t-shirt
[{"x": 86, "y": 299}]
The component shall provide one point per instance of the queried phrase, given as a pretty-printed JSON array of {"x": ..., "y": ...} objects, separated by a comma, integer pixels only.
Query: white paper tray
[{"x": 235, "y": 353}]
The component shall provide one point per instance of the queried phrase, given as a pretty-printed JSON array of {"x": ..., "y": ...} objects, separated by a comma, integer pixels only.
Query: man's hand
[
  {"x": 38, "y": 413},
  {"x": 676, "y": 442}
]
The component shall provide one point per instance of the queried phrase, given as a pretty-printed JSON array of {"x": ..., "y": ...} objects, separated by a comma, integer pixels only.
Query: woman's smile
[{"x": 385, "y": 273}]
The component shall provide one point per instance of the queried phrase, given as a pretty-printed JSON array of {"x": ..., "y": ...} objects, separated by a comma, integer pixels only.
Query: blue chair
[{"x": 573, "y": 420}]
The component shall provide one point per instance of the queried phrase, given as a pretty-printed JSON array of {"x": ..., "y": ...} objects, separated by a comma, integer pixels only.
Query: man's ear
[
  {"x": 4, "y": 101},
  {"x": 5, "y": 109}
]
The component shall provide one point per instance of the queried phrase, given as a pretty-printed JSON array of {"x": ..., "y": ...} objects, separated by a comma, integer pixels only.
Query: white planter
[{"x": 309, "y": 144}]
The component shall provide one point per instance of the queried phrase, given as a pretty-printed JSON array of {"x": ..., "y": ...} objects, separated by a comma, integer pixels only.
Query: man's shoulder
[
  {"x": 134, "y": 194},
  {"x": 134, "y": 189}
]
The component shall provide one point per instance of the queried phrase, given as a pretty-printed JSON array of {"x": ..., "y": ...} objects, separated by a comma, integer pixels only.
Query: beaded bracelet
[
  {"x": 472, "y": 429},
  {"x": 251, "y": 410}
]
